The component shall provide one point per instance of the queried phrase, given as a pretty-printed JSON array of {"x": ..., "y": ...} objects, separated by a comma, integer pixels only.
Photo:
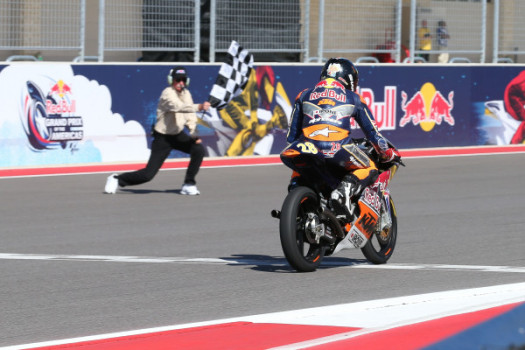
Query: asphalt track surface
[{"x": 76, "y": 262}]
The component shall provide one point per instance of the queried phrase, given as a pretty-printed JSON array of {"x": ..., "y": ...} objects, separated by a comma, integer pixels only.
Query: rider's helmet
[{"x": 342, "y": 70}]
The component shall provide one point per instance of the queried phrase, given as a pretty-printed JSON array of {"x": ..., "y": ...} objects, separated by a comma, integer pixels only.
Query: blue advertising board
[{"x": 95, "y": 113}]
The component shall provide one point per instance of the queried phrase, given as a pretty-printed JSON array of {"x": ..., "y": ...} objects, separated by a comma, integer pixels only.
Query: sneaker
[
  {"x": 111, "y": 184},
  {"x": 190, "y": 190}
]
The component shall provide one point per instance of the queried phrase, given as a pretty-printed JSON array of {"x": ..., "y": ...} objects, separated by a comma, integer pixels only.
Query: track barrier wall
[{"x": 55, "y": 114}]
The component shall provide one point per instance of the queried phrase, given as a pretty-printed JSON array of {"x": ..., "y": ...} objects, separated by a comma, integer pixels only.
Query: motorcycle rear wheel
[
  {"x": 302, "y": 255},
  {"x": 380, "y": 246}
]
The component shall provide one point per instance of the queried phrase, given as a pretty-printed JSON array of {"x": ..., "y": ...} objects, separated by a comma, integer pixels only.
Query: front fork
[{"x": 385, "y": 220}]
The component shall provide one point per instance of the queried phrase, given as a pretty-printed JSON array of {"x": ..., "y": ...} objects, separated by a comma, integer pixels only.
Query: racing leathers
[{"x": 320, "y": 124}]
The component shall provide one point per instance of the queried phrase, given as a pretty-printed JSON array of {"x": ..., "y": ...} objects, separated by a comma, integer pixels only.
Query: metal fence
[
  {"x": 448, "y": 31},
  {"x": 273, "y": 30},
  {"x": 155, "y": 27},
  {"x": 36, "y": 26},
  {"x": 367, "y": 30},
  {"x": 509, "y": 31}
]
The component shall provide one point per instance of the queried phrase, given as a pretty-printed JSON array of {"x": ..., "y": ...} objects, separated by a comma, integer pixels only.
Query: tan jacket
[{"x": 176, "y": 110}]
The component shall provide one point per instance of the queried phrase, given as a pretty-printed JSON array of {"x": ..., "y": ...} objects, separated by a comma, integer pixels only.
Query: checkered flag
[{"x": 233, "y": 76}]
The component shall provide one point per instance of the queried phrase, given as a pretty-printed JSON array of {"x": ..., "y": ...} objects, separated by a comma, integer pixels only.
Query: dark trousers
[
  {"x": 161, "y": 147},
  {"x": 425, "y": 56}
]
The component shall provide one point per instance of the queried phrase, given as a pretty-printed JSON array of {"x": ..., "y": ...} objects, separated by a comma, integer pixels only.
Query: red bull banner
[{"x": 61, "y": 113}]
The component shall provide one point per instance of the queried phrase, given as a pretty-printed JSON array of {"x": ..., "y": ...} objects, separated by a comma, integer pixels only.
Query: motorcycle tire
[
  {"x": 301, "y": 255},
  {"x": 380, "y": 246}
]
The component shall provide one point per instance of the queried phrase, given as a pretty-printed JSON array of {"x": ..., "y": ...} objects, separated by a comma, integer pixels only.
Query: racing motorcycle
[{"x": 312, "y": 226}]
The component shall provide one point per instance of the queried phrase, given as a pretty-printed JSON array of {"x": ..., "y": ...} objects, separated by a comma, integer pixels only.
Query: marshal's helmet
[{"x": 342, "y": 70}]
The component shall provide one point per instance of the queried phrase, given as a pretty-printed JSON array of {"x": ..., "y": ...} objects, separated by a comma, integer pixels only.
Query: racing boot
[
  {"x": 295, "y": 181},
  {"x": 341, "y": 197}
]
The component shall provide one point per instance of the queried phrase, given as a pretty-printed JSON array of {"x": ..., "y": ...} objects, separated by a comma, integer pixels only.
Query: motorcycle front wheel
[
  {"x": 380, "y": 246},
  {"x": 302, "y": 255}
]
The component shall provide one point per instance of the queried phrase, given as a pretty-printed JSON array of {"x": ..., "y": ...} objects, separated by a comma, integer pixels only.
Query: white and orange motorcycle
[{"x": 312, "y": 228}]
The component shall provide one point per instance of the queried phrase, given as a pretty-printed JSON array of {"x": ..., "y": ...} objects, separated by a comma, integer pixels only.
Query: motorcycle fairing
[
  {"x": 308, "y": 160},
  {"x": 369, "y": 205},
  {"x": 362, "y": 228}
]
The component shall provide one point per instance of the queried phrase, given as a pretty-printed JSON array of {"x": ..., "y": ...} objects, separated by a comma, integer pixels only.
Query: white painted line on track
[
  {"x": 371, "y": 316},
  {"x": 258, "y": 262}
]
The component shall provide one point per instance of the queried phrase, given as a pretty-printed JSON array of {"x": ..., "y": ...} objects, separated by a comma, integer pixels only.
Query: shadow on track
[
  {"x": 268, "y": 263},
  {"x": 147, "y": 191}
]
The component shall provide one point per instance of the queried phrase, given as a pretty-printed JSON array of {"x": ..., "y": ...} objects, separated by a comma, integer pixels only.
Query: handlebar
[{"x": 366, "y": 146}]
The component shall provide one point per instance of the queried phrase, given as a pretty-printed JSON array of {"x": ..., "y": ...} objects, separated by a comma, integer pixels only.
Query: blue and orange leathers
[{"x": 320, "y": 146}]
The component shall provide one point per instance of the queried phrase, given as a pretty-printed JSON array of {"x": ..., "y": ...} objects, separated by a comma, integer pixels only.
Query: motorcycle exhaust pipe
[{"x": 276, "y": 214}]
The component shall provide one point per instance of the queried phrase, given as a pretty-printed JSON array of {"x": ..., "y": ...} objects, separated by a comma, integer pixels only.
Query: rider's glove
[{"x": 389, "y": 155}]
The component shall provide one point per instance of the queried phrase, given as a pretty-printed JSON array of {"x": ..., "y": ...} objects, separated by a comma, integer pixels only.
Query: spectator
[
  {"x": 425, "y": 40},
  {"x": 442, "y": 38},
  {"x": 175, "y": 111}
]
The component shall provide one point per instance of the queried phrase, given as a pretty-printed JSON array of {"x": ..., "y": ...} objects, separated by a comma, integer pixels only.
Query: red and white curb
[{"x": 409, "y": 322}]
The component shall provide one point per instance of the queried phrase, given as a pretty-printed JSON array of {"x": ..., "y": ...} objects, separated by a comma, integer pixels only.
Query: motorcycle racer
[{"x": 322, "y": 117}]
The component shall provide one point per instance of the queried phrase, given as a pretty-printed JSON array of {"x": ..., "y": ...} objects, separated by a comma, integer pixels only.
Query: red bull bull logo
[
  {"x": 427, "y": 108},
  {"x": 60, "y": 88},
  {"x": 329, "y": 84}
]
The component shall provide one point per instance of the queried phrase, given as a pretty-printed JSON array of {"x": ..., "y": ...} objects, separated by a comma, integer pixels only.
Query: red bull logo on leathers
[{"x": 427, "y": 108}]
